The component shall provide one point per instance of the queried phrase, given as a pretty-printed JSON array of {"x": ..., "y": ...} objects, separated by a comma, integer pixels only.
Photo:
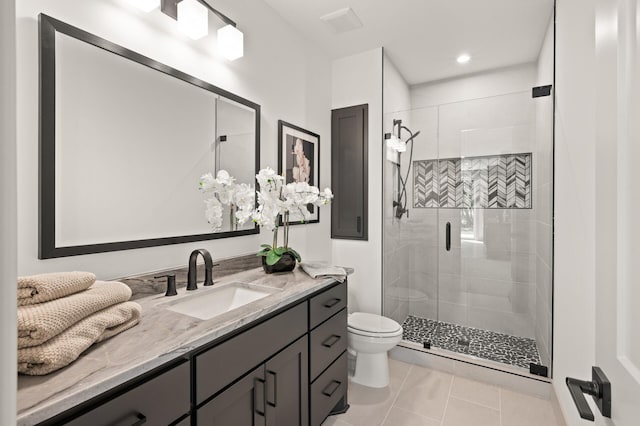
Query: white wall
[
  {"x": 475, "y": 86},
  {"x": 8, "y": 218},
  {"x": 357, "y": 80},
  {"x": 285, "y": 74},
  {"x": 574, "y": 271}
]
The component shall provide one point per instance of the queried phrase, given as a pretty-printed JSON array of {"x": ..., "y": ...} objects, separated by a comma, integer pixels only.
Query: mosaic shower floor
[{"x": 512, "y": 350}]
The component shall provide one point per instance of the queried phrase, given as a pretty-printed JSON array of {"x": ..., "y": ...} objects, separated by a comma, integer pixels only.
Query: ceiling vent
[{"x": 342, "y": 21}]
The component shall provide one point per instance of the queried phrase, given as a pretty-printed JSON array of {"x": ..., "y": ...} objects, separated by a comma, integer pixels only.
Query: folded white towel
[
  {"x": 317, "y": 269},
  {"x": 40, "y": 322},
  {"x": 67, "y": 346},
  {"x": 44, "y": 287}
]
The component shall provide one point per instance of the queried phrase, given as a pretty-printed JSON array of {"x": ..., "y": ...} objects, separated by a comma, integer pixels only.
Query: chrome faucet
[{"x": 192, "y": 275}]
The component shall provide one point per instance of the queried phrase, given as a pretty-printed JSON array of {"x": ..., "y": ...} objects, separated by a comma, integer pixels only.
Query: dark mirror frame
[{"x": 47, "y": 140}]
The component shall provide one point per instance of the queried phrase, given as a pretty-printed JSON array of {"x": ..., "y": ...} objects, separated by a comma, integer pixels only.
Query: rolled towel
[
  {"x": 67, "y": 346},
  {"x": 39, "y": 323},
  {"x": 44, "y": 287}
]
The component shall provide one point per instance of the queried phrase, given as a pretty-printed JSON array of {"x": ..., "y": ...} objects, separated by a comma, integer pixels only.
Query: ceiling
[{"x": 424, "y": 37}]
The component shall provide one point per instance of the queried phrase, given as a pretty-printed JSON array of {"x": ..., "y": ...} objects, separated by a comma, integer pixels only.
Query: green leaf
[
  {"x": 263, "y": 252},
  {"x": 265, "y": 246},
  {"x": 279, "y": 251},
  {"x": 272, "y": 258},
  {"x": 295, "y": 254}
]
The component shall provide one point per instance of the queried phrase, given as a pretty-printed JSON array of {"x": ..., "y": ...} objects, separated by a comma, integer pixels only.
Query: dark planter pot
[{"x": 287, "y": 263}]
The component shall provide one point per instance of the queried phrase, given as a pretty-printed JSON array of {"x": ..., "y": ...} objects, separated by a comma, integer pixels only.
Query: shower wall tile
[
  {"x": 450, "y": 183},
  {"x": 424, "y": 308},
  {"x": 425, "y": 184},
  {"x": 452, "y": 289},
  {"x": 508, "y": 323},
  {"x": 453, "y": 313},
  {"x": 493, "y": 182}
]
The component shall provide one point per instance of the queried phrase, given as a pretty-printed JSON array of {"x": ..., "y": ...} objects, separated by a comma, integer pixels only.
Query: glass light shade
[
  {"x": 193, "y": 19},
  {"x": 231, "y": 42},
  {"x": 146, "y": 5}
]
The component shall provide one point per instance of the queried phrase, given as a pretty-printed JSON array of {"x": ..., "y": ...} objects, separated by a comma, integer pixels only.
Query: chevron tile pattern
[
  {"x": 450, "y": 182},
  {"x": 425, "y": 188},
  {"x": 492, "y": 182}
]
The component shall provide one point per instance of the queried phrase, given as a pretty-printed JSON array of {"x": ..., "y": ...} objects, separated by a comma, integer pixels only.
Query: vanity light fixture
[
  {"x": 192, "y": 17},
  {"x": 463, "y": 58},
  {"x": 146, "y": 5},
  {"x": 231, "y": 42}
]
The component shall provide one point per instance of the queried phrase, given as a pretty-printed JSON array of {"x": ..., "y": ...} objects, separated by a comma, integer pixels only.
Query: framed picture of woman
[{"x": 299, "y": 161}]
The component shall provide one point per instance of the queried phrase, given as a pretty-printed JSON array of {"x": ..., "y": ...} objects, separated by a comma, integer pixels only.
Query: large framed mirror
[{"x": 123, "y": 142}]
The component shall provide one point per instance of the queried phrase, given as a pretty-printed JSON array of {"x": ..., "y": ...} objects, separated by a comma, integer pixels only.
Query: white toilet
[{"x": 371, "y": 336}]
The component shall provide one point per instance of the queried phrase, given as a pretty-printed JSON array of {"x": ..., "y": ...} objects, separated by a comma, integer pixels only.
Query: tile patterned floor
[
  {"x": 512, "y": 350},
  {"x": 421, "y": 396}
]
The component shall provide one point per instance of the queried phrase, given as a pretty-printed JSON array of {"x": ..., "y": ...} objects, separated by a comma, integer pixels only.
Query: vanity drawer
[
  {"x": 326, "y": 304},
  {"x": 159, "y": 401},
  {"x": 327, "y": 342},
  {"x": 328, "y": 390},
  {"x": 222, "y": 364}
]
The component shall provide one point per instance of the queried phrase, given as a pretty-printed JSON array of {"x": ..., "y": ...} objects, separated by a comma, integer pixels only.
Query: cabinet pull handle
[
  {"x": 274, "y": 387},
  {"x": 448, "y": 236},
  {"x": 136, "y": 419},
  {"x": 331, "y": 340},
  {"x": 358, "y": 224},
  {"x": 331, "y": 303},
  {"x": 331, "y": 388},
  {"x": 258, "y": 384}
]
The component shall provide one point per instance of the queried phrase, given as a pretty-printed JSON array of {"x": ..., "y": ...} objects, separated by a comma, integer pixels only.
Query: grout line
[
  {"x": 446, "y": 406},
  {"x": 418, "y": 414},
  {"x": 500, "y": 404},
  {"x": 397, "y": 394},
  {"x": 477, "y": 403}
]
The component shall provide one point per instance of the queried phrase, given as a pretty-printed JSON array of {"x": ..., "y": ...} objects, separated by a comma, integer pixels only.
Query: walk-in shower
[{"x": 467, "y": 212}]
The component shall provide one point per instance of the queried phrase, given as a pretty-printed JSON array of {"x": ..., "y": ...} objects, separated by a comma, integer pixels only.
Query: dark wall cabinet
[
  {"x": 289, "y": 369},
  {"x": 349, "y": 172}
]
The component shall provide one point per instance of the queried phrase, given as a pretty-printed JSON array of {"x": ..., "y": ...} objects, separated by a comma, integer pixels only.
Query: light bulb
[
  {"x": 463, "y": 58},
  {"x": 193, "y": 19},
  {"x": 230, "y": 42}
]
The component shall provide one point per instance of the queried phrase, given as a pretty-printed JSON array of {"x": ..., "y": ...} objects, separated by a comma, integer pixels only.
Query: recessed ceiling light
[
  {"x": 463, "y": 58},
  {"x": 342, "y": 20}
]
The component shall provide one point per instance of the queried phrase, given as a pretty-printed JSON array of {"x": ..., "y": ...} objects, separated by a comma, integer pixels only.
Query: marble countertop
[{"x": 160, "y": 337}]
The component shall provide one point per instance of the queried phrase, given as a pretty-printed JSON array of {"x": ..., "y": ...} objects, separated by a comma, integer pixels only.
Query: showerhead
[{"x": 413, "y": 136}]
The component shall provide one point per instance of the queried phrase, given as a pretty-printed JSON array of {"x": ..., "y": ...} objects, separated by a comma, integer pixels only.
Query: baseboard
[{"x": 557, "y": 410}]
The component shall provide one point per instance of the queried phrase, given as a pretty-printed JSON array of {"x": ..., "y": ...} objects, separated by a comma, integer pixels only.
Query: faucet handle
[{"x": 171, "y": 284}]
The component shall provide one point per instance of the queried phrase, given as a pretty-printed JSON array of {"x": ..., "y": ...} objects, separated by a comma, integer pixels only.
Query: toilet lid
[{"x": 372, "y": 323}]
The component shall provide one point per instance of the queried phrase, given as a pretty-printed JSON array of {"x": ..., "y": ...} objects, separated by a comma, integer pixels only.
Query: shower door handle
[{"x": 448, "y": 237}]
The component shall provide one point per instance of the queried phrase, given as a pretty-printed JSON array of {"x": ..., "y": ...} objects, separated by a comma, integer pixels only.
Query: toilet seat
[{"x": 373, "y": 325}]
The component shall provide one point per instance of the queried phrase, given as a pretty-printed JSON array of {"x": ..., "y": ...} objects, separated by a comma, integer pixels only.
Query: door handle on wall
[
  {"x": 448, "y": 236},
  {"x": 599, "y": 388}
]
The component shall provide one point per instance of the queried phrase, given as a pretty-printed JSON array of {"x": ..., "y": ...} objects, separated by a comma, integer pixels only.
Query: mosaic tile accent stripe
[
  {"x": 425, "y": 190},
  {"x": 503, "y": 348},
  {"x": 493, "y": 182}
]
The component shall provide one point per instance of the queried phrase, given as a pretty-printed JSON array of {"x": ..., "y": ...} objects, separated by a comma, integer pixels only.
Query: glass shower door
[{"x": 486, "y": 226}]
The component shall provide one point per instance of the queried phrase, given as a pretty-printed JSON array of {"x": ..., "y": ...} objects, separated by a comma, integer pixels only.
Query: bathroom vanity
[{"x": 280, "y": 360}]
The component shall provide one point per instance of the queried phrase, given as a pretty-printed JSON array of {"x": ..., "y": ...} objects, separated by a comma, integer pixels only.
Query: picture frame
[{"x": 299, "y": 161}]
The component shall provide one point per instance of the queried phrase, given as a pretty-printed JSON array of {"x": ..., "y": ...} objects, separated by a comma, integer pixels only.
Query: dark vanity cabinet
[
  {"x": 288, "y": 369},
  {"x": 349, "y": 172},
  {"x": 160, "y": 400}
]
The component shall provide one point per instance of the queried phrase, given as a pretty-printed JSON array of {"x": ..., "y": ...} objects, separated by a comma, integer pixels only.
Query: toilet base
[{"x": 372, "y": 370}]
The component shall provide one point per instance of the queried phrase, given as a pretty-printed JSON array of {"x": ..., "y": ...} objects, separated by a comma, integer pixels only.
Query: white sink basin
[{"x": 206, "y": 303}]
